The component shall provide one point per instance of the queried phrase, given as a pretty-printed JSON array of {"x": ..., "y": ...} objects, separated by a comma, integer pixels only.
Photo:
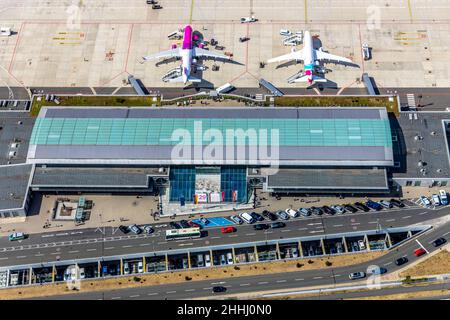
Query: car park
[
  {"x": 237, "y": 220},
  {"x": 374, "y": 205},
  {"x": 257, "y": 216},
  {"x": 124, "y": 229},
  {"x": 401, "y": 261},
  {"x": 148, "y": 229},
  {"x": 386, "y": 204},
  {"x": 260, "y": 226},
  {"x": 282, "y": 215},
  {"x": 357, "y": 275},
  {"x": 218, "y": 289},
  {"x": 350, "y": 208},
  {"x": 435, "y": 200},
  {"x": 304, "y": 212},
  {"x": 425, "y": 201},
  {"x": 291, "y": 212},
  {"x": 227, "y": 230},
  {"x": 397, "y": 203},
  {"x": 316, "y": 211},
  {"x": 438, "y": 242},
  {"x": 174, "y": 225},
  {"x": 328, "y": 210},
  {"x": 17, "y": 236},
  {"x": 277, "y": 225},
  {"x": 375, "y": 270},
  {"x": 361, "y": 206},
  {"x": 135, "y": 229},
  {"x": 419, "y": 252},
  {"x": 247, "y": 217},
  {"x": 338, "y": 209}
]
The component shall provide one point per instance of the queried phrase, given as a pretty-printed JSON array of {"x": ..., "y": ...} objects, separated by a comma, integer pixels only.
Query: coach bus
[{"x": 186, "y": 233}]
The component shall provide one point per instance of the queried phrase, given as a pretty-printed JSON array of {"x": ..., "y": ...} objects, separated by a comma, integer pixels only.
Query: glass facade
[{"x": 233, "y": 182}]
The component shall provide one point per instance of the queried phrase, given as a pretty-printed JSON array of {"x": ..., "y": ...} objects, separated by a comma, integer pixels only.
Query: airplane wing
[
  {"x": 320, "y": 55},
  {"x": 164, "y": 54},
  {"x": 202, "y": 53},
  {"x": 295, "y": 55}
]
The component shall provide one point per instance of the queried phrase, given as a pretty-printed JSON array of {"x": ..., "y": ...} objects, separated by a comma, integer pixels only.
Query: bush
[
  {"x": 237, "y": 268},
  {"x": 310, "y": 261},
  {"x": 328, "y": 263},
  {"x": 187, "y": 278},
  {"x": 299, "y": 265},
  {"x": 136, "y": 279}
]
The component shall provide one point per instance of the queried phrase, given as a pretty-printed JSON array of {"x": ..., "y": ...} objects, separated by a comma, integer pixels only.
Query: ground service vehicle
[{"x": 187, "y": 233}]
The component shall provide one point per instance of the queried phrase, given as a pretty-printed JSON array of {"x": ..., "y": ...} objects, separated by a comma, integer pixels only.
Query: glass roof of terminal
[{"x": 158, "y": 131}]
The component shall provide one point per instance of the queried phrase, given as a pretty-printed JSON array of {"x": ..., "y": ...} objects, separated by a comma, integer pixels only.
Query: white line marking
[
  {"x": 215, "y": 237},
  {"x": 5, "y": 258},
  {"x": 38, "y": 255},
  {"x": 372, "y": 222},
  {"x": 390, "y": 220},
  {"x": 171, "y": 292},
  {"x": 91, "y": 249},
  {"x": 152, "y": 294},
  {"x": 300, "y": 229},
  {"x": 406, "y": 217},
  {"x": 280, "y": 281},
  {"x": 386, "y": 264},
  {"x": 189, "y": 290},
  {"x": 109, "y": 248},
  {"x": 74, "y": 251},
  {"x": 21, "y": 257},
  {"x": 445, "y": 234},
  {"x": 209, "y": 288},
  {"x": 317, "y": 278},
  {"x": 422, "y": 246},
  {"x": 285, "y": 230},
  {"x": 144, "y": 244},
  {"x": 47, "y": 235},
  {"x": 299, "y": 279},
  {"x": 231, "y": 235},
  {"x": 115, "y": 298},
  {"x": 244, "y": 284},
  {"x": 338, "y": 225},
  {"x": 250, "y": 234},
  {"x": 135, "y": 296},
  {"x": 62, "y": 234},
  {"x": 264, "y": 282},
  {"x": 128, "y": 246}
]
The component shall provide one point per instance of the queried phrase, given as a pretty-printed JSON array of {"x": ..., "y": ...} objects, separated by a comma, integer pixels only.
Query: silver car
[
  {"x": 237, "y": 219},
  {"x": 357, "y": 275},
  {"x": 282, "y": 215},
  {"x": 338, "y": 209},
  {"x": 304, "y": 212}
]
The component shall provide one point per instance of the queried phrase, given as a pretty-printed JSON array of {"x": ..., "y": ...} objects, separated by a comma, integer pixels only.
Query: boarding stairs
[{"x": 172, "y": 74}]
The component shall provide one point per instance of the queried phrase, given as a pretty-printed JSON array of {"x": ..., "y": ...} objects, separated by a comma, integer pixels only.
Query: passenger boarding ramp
[
  {"x": 137, "y": 86},
  {"x": 172, "y": 74},
  {"x": 369, "y": 85},
  {"x": 273, "y": 90}
]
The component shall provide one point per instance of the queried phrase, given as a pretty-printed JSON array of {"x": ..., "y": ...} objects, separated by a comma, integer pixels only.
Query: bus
[{"x": 186, "y": 233}]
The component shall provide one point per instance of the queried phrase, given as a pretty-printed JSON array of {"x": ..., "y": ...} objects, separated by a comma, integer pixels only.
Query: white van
[
  {"x": 225, "y": 88},
  {"x": 291, "y": 212},
  {"x": 247, "y": 218},
  {"x": 443, "y": 196},
  {"x": 207, "y": 260},
  {"x": 229, "y": 258},
  {"x": 200, "y": 261},
  {"x": 4, "y": 31},
  {"x": 285, "y": 32}
]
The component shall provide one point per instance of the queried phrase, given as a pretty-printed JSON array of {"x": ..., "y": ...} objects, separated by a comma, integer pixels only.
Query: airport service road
[
  {"x": 273, "y": 282},
  {"x": 108, "y": 241}
]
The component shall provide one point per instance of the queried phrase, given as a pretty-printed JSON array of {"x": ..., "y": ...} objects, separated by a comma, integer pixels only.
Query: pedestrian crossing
[{"x": 411, "y": 101}]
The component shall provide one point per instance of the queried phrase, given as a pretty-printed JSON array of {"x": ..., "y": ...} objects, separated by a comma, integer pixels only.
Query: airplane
[
  {"x": 310, "y": 58},
  {"x": 187, "y": 53}
]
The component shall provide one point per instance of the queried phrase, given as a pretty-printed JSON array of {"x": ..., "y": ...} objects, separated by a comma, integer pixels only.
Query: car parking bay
[
  {"x": 289, "y": 250},
  {"x": 110, "y": 268},
  {"x": 312, "y": 248},
  {"x": 334, "y": 246},
  {"x": 215, "y": 222},
  {"x": 356, "y": 244},
  {"x": 90, "y": 269},
  {"x": 155, "y": 264},
  {"x": 178, "y": 261},
  {"x": 267, "y": 253}
]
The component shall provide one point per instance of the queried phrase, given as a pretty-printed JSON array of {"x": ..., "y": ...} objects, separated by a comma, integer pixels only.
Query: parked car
[
  {"x": 291, "y": 212},
  {"x": 338, "y": 209},
  {"x": 435, "y": 199},
  {"x": 397, "y": 203},
  {"x": 193, "y": 224},
  {"x": 227, "y": 230},
  {"x": 247, "y": 217},
  {"x": 294, "y": 253},
  {"x": 135, "y": 229},
  {"x": 425, "y": 201},
  {"x": 174, "y": 225},
  {"x": 443, "y": 197},
  {"x": 304, "y": 212},
  {"x": 148, "y": 229},
  {"x": 386, "y": 204},
  {"x": 260, "y": 226},
  {"x": 401, "y": 261},
  {"x": 277, "y": 225},
  {"x": 230, "y": 258},
  {"x": 357, "y": 275},
  {"x": 350, "y": 208},
  {"x": 124, "y": 229},
  {"x": 237, "y": 220},
  {"x": 219, "y": 289},
  {"x": 17, "y": 236},
  {"x": 126, "y": 268},
  {"x": 361, "y": 245},
  {"x": 374, "y": 205},
  {"x": 257, "y": 216},
  {"x": 184, "y": 224},
  {"x": 361, "y": 206},
  {"x": 270, "y": 215},
  {"x": 248, "y": 19},
  {"x": 207, "y": 260},
  {"x": 316, "y": 211},
  {"x": 285, "y": 32},
  {"x": 204, "y": 221},
  {"x": 419, "y": 252},
  {"x": 438, "y": 242},
  {"x": 223, "y": 260},
  {"x": 282, "y": 215},
  {"x": 140, "y": 267},
  {"x": 328, "y": 210}
]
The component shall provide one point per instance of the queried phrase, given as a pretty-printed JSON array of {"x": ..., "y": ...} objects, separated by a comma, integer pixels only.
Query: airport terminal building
[{"x": 210, "y": 156}]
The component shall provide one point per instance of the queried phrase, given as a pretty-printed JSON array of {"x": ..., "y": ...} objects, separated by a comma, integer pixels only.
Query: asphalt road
[
  {"x": 91, "y": 243},
  {"x": 326, "y": 276}
]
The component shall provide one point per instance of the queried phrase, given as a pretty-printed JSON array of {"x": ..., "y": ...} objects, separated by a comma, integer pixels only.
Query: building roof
[
  {"x": 309, "y": 179},
  {"x": 420, "y": 137},
  {"x": 14, "y": 185},
  {"x": 308, "y": 136}
]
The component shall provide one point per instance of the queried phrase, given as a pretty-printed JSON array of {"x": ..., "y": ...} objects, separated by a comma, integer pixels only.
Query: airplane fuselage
[
  {"x": 310, "y": 56},
  {"x": 187, "y": 53}
]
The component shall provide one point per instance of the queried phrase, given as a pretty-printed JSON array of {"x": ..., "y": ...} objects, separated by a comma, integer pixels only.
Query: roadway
[
  {"x": 273, "y": 282},
  {"x": 108, "y": 241}
]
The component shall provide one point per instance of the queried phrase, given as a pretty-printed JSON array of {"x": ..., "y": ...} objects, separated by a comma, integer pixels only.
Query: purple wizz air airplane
[{"x": 187, "y": 53}]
